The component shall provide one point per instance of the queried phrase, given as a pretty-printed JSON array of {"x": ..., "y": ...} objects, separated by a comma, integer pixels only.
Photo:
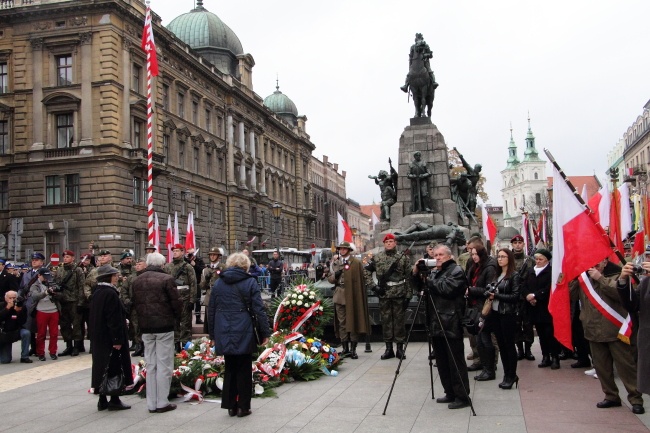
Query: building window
[
  {"x": 64, "y": 70},
  {"x": 136, "y": 78},
  {"x": 210, "y": 210},
  {"x": 139, "y": 191},
  {"x": 197, "y": 207},
  {"x": 184, "y": 200},
  {"x": 138, "y": 128},
  {"x": 262, "y": 219},
  {"x": 222, "y": 212},
  {"x": 53, "y": 189},
  {"x": 4, "y": 195},
  {"x": 220, "y": 170},
  {"x": 166, "y": 139},
  {"x": 181, "y": 154},
  {"x": 241, "y": 215},
  {"x": 538, "y": 199},
  {"x": 181, "y": 105},
  {"x": 208, "y": 162},
  {"x": 4, "y": 137},
  {"x": 195, "y": 112},
  {"x": 170, "y": 199},
  {"x": 208, "y": 121},
  {"x": 219, "y": 126},
  {"x": 64, "y": 130},
  {"x": 165, "y": 97},
  {"x": 4, "y": 77},
  {"x": 195, "y": 160},
  {"x": 254, "y": 216},
  {"x": 536, "y": 176}
]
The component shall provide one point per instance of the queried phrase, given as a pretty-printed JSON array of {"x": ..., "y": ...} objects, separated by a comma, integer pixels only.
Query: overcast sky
[{"x": 581, "y": 68}]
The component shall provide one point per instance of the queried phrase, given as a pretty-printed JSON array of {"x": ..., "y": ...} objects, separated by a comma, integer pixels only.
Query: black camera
[
  {"x": 20, "y": 302},
  {"x": 490, "y": 289},
  {"x": 638, "y": 269},
  {"x": 53, "y": 287}
]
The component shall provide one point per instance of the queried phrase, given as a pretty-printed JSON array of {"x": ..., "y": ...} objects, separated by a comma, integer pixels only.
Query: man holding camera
[
  {"x": 13, "y": 316},
  {"x": 446, "y": 286},
  {"x": 394, "y": 292},
  {"x": 70, "y": 279}
]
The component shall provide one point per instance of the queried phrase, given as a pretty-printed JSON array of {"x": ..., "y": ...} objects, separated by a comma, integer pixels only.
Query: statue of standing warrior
[
  {"x": 388, "y": 187},
  {"x": 419, "y": 175},
  {"x": 473, "y": 175}
]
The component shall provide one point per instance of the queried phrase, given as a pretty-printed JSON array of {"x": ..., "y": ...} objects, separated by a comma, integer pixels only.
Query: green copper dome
[
  {"x": 512, "y": 153},
  {"x": 207, "y": 34},
  {"x": 280, "y": 104}
]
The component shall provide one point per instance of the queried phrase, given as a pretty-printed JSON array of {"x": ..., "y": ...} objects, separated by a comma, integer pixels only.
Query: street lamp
[{"x": 277, "y": 211}]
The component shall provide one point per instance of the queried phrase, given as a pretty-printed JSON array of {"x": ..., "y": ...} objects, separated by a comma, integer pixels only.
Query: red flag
[
  {"x": 646, "y": 215},
  {"x": 639, "y": 244},
  {"x": 169, "y": 239},
  {"x": 148, "y": 44},
  {"x": 344, "y": 231},
  {"x": 489, "y": 228},
  {"x": 573, "y": 226},
  {"x": 615, "y": 225},
  {"x": 190, "y": 238}
]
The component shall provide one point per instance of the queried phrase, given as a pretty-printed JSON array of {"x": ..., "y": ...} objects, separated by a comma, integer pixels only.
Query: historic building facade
[
  {"x": 636, "y": 150},
  {"x": 73, "y": 140},
  {"x": 328, "y": 195},
  {"x": 524, "y": 182}
]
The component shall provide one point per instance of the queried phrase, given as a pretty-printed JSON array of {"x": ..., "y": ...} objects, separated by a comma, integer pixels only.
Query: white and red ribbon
[
  {"x": 306, "y": 315},
  {"x": 192, "y": 394},
  {"x": 268, "y": 369},
  {"x": 624, "y": 324}
]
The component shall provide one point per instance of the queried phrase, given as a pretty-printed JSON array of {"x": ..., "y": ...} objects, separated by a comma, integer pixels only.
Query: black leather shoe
[
  {"x": 485, "y": 376},
  {"x": 243, "y": 412},
  {"x": 199, "y": 321},
  {"x": 118, "y": 405},
  {"x": 546, "y": 362},
  {"x": 581, "y": 364},
  {"x": 53, "y": 356},
  {"x": 638, "y": 409},
  {"x": 529, "y": 355},
  {"x": 475, "y": 367},
  {"x": 607, "y": 404},
  {"x": 168, "y": 408},
  {"x": 102, "y": 404},
  {"x": 458, "y": 404},
  {"x": 42, "y": 358},
  {"x": 232, "y": 412},
  {"x": 555, "y": 363},
  {"x": 445, "y": 399},
  {"x": 26, "y": 360}
]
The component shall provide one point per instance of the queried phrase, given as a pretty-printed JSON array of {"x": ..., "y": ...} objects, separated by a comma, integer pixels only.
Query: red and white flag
[
  {"x": 344, "y": 232},
  {"x": 584, "y": 194},
  {"x": 156, "y": 232},
  {"x": 639, "y": 244},
  {"x": 489, "y": 228},
  {"x": 190, "y": 236},
  {"x": 374, "y": 220},
  {"x": 148, "y": 44},
  {"x": 251, "y": 240},
  {"x": 169, "y": 239},
  {"x": 578, "y": 244},
  {"x": 177, "y": 238},
  {"x": 599, "y": 204},
  {"x": 625, "y": 213}
]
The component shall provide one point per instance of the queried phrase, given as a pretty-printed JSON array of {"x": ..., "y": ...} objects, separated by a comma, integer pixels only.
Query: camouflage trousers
[
  {"x": 183, "y": 328},
  {"x": 134, "y": 329},
  {"x": 70, "y": 322},
  {"x": 393, "y": 317}
]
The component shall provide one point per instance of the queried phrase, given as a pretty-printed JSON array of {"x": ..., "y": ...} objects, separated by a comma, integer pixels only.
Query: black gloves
[
  {"x": 338, "y": 274},
  {"x": 379, "y": 291}
]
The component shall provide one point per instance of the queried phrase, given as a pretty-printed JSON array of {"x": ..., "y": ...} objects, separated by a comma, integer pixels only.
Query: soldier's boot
[
  {"x": 68, "y": 349},
  {"x": 80, "y": 346},
  {"x": 388, "y": 354},
  {"x": 405, "y": 88},
  {"x": 527, "y": 353},
  {"x": 133, "y": 347},
  {"x": 75, "y": 349},
  {"x": 346, "y": 348},
  {"x": 401, "y": 353},
  {"x": 198, "y": 319},
  {"x": 139, "y": 351},
  {"x": 353, "y": 351}
]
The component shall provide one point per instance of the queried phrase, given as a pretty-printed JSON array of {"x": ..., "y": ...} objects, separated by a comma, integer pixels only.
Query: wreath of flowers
[{"x": 303, "y": 309}]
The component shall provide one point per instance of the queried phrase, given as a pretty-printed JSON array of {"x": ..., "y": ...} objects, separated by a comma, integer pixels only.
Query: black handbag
[
  {"x": 472, "y": 320},
  {"x": 113, "y": 380}
]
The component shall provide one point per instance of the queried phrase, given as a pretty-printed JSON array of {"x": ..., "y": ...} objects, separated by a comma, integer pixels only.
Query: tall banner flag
[
  {"x": 489, "y": 228},
  {"x": 177, "y": 238},
  {"x": 615, "y": 224},
  {"x": 573, "y": 225},
  {"x": 344, "y": 232},
  {"x": 599, "y": 203},
  {"x": 169, "y": 239},
  {"x": 190, "y": 235},
  {"x": 156, "y": 232},
  {"x": 626, "y": 216},
  {"x": 149, "y": 46}
]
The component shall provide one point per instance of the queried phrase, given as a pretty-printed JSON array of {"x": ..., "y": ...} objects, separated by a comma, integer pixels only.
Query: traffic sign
[{"x": 54, "y": 259}]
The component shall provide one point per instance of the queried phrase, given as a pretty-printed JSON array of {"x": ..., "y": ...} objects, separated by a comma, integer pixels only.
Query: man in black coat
[
  {"x": 155, "y": 299},
  {"x": 447, "y": 288},
  {"x": 13, "y": 316},
  {"x": 275, "y": 267},
  {"x": 198, "y": 264}
]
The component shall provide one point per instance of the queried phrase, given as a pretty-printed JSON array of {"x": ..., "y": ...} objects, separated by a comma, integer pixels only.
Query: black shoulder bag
[
  {"x": 113, "y": 380},
  {"x": 249, "y": 308}
]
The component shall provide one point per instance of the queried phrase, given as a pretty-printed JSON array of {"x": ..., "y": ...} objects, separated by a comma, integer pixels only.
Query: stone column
[
  {"x": 242, "y": 148},
  {"x": 263, "y": 170},
  {"x": 86, "y": 114},
  {"x": 37, "y": 93},
  {"x": 231, "y": 150},
  {"x": 251, "y": 137}
]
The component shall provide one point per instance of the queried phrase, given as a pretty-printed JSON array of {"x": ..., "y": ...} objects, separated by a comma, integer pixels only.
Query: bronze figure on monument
[
  {"x": 388, "y": 187},
  {"x": 420, "y": 78},
  {"x": 419, "y": 174}
]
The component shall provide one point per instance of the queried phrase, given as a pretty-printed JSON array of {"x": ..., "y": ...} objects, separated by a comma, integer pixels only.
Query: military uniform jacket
[
  {"x": 209, "y": 276},
  {"x": 123, "y": 285},
  {"x": 354, "y": 292},
  {"x": 184, "y": 277},
  {"x": 73, "y": 277},
  {"x": 398, "y": 283},
  {"x": 597, "y": 327},
  {"x": 86, "y": 288}
]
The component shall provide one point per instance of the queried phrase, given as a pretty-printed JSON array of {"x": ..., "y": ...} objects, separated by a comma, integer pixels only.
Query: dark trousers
[
  {"x": 485, "y": 346},
  {"x": 550, "y": 346},
  {"x": 579, "y": 341},
  {"x": 453, "y": 385},
  {"x": 275, "y": 284},
  {"x": 237, "y": 382},
  {"x": 504, "y": 327}
]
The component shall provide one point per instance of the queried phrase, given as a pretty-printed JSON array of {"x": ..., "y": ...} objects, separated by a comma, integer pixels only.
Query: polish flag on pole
[
  {"x": 585, "y": 193},
  {"x": 374, "y": 220},
  {"x": 639, "y": 244},
  {"x": 148, "y": 44},
  {"x": 177, "y": 238},
  {"x": 626, "y": 216},
  {"x": 169, "y": 239},
  {"x": 573, "y": 225},
  {"x": 489, "y": 228},
  {"x": 344, "y": 232},
  {"x": 190, "y": 237},
  {"x": 156, "y": 232},
  {"x": 599, "y": 204}
]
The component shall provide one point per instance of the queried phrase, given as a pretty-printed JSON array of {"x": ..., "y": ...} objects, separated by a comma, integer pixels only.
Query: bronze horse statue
[{"x": 422, "y": 85}]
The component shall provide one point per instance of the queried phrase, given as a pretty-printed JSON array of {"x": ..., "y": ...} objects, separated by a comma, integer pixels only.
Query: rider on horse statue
[{"x": 422, "y": 48}]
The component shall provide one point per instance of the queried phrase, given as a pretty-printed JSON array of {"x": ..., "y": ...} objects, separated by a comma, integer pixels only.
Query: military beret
[
  {"x": 388, "y": 237},
  {"x": 68, "y": 253},
  {"x": 516, "y": 238}
]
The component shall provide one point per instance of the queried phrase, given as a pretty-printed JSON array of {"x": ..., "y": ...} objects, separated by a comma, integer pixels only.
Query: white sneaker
[{"x": 591, "y": 372}]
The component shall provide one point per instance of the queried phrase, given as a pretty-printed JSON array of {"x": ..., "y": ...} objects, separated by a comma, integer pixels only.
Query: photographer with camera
[
  {"x": 446, "y": 288},
  {"x": 43, "y": 293},
  {"x": 13, "y": 316},
  {"x": 394, "y": 291}
]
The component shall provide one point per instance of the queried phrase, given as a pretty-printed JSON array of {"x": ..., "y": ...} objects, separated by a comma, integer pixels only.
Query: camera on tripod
[{"x": 425, "y": 265}]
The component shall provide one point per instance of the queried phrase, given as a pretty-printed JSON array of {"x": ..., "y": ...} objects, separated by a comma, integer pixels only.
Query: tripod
[{"x": 406, "y": 344}]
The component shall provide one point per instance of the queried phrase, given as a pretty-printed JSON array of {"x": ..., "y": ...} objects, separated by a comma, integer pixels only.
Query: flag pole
[
  {"x": 586, "y": 207},
  {"x": 150, "y": 214}
]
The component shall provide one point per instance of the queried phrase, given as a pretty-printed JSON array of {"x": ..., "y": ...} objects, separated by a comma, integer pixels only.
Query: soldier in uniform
[
  {"x": 394, "y": 290},
  {"x": 86, "y": 265},
  {"x": 209, "y": 276},
  {"x": 126, "y": 270},
  {"x": 197, "y": 263},
  {"x": 185, "y": 278},
  {"x": 350, "y": 300},
  {"x": 126, "y": 295},
  {"x": 70, "y": 279},
  {"x": 524, "y": 335}
]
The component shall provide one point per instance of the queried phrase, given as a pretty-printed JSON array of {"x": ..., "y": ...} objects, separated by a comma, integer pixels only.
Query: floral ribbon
[
  {"x": 273, "y": 371},
  {"x": 625, "y": 325},
  {"x": 306, "y": 315}
]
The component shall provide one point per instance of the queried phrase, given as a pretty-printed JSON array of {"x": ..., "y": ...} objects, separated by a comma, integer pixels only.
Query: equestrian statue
[{"x": 420, "y": 78}]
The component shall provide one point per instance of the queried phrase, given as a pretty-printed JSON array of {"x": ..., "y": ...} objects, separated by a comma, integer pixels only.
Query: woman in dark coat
[
  {"x": 232, "y": 331},
  {"x": 481, "y": 271},
  {"x": 502, "y": 320},
  {"x": 537, "y": 292},
  {"x": 108, "y": 333}
]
